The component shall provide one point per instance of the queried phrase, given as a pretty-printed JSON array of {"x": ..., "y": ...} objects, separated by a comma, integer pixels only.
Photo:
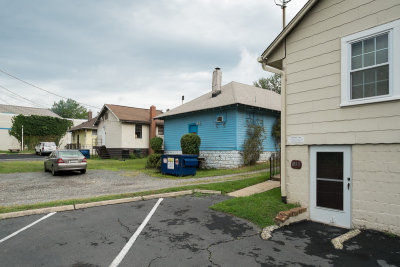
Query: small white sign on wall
[
  {"x": 170, "y": 165},
  {"x": 295, "y": 139}
]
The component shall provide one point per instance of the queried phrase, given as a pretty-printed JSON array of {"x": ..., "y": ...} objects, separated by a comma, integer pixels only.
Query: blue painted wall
[
  {"x": 228, "y": 135},
  {"x": 267, "y": 118},
  {"x": 214, "y": 136}
]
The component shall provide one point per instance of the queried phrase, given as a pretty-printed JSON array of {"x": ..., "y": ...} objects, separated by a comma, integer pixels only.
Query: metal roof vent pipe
[{"x": 216, "y": 82}]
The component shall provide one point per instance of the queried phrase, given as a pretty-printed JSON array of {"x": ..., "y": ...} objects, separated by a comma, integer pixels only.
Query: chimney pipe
[
  {"x": 152, "y": 132},
  {"x": 216, "y": 82},
  {"x": 89, "y": 114}
]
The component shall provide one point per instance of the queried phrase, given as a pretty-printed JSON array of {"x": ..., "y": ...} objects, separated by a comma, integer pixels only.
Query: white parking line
[
  {"x": 26, "y": 227},
  {"x": 128, "y": 245}
]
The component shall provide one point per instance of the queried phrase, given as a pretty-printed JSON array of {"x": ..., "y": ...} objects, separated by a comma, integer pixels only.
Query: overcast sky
[{"x": 133, "y": 53}]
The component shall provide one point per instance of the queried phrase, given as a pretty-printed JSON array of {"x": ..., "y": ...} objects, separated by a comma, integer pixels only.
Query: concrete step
[{"x": 276, "y": 177}]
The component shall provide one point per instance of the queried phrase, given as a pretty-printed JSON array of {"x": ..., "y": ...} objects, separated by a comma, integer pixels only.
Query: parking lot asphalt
[
  {"x": 39, "y": 187},
  {"x": 182, "y": 231},
  {"x": 20, "y": 157}
]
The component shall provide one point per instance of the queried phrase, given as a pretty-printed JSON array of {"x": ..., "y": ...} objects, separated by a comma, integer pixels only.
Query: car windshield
[
  {"x": 49, "y": 144},
  {"x": 70, "y": 154}
]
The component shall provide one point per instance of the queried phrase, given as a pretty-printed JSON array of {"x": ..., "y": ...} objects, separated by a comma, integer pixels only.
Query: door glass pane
[
  {"x": 330, "y": 180},
  {"x": 330, "y": 165},
  {"x": 330, "y": 195}
]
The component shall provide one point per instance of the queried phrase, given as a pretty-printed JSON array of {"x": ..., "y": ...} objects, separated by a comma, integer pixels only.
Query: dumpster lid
[{"x": 190, "y": 162}]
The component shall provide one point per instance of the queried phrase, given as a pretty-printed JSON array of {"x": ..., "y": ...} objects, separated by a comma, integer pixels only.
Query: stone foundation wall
[{"x": 221, "y": 159}]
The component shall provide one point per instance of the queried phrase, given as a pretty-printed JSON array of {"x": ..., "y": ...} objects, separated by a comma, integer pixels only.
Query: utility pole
[
  {"x": 22, "y": 143},
  {"x": 282, "y": 4}
]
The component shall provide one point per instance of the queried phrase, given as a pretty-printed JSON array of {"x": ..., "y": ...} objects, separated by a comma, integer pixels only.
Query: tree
[
  {"x": 38, "y": 129},
  {"x": 276, "y": 133},
  {"x": 69, "y": 109},
  {"x": 190, "y": 144},
  {"x": 272, "y": 83},
  {"x": 253, "y": 146}
]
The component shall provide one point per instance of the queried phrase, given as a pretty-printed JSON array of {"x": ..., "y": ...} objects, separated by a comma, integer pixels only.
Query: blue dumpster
[
  {"x": 179, "y": 165},
  {"x": 85, "y": 152}
]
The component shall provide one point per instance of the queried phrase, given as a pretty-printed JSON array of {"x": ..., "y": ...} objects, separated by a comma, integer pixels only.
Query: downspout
[{"x": 283, "y": 123}]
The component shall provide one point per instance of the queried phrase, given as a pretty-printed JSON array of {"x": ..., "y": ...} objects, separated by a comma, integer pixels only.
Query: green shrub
[
  {"x": 154, "y": 161},
  {"x": 156, "y": 144},
  {"x": 253, "y": 146},
  {"x": 190, "y": 144}
]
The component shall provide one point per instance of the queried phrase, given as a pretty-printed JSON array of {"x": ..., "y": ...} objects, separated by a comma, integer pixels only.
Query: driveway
[
  {"x": 180, "y": 232},
  {"x": 37, "y": 187}
]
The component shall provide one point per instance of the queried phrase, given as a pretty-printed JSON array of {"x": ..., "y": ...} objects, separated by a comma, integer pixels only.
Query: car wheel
[
  {"x": 83, "y": 171},
  {"x": 53, "y": 171}
]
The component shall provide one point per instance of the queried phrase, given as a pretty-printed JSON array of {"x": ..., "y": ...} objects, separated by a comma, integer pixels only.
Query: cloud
[{"x": 135, "y": 53}]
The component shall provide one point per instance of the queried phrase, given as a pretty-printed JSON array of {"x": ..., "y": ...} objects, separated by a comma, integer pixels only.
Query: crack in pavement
[
  {"x": 125, "y": 226},
  {"x": 156, "y": 258},
  {"x": 224, "y": 242}
]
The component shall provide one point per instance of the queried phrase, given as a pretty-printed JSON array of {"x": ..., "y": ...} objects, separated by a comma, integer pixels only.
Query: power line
[
  {"x": 8, "y": 90},
  {"x": 47, "y": 91}
]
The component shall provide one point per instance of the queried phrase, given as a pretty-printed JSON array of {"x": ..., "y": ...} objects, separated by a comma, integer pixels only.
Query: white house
[{"x": 121, "y": 127}]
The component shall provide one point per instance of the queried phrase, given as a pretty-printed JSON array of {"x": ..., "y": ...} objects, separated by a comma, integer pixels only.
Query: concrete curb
[
  {"x": 103, "y": 203},
  {"x": 107, "y": 202},
  {"x": 205, "y": 191},
  {"x": 36, "y": 211},
  {"x": 338, "y": 241}
]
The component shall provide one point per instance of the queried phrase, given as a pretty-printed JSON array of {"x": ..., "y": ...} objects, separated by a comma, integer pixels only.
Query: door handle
[{"x": 348, "y": 186}]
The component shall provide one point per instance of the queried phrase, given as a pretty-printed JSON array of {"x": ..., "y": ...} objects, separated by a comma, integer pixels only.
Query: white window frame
[{"x": 393, "y": 30}]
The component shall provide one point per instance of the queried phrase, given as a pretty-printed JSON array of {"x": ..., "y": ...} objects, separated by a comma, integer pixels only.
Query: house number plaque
[{"x": 296, "y": 164}]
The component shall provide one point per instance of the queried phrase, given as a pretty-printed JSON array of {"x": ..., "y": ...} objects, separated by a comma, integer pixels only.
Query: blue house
[{"x": 220, "y": 118}]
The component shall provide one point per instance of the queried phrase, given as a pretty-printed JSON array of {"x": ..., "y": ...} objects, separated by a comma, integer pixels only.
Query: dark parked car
[{"x": 65, "y": 160}]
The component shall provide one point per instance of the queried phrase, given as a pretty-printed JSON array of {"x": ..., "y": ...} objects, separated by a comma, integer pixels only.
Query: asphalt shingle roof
[
  {"x": 27, "y": 111},
  {"x": 131, "y": 114},
  {"x": 231, "y": 93},
  {"x": 86, "y": 125}
]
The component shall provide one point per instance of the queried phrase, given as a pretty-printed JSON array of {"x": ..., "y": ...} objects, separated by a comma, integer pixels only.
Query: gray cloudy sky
[{"x": 133, "y": 53}]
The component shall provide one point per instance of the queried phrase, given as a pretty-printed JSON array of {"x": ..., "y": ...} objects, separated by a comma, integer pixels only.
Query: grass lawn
[
  {"x": 120, "y": 165},
  {"x": 260, "y": 209},
  {"x": 225, "y": 187},
  {"x": 210, "y": 172}
]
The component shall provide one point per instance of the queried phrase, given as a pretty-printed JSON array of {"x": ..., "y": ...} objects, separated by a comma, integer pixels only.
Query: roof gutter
[{"x": 268, "y": 68}]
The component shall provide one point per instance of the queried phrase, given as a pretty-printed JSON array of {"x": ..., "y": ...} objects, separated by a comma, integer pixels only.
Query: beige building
[
  {"x": 340, "y": 67},
  {"x": 84, "y": 135},
  {"x": 121, "y": 127},
  {"x": 7, "y": 112}
]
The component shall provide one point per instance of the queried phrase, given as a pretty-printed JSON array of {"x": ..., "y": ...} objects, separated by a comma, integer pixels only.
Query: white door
[{"x": 330, "y": 200}]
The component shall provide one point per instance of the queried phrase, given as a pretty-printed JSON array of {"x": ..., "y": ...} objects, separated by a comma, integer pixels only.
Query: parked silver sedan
[{"x": 65, "y": 160}]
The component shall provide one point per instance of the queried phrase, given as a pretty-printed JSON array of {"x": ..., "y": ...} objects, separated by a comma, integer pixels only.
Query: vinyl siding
[
  {"x": 128, "y": 136},
  {"x": 268, "y": 119},
  {"x": 230, "y": 136},
  {"x": 214, "y": 136},
  {"x": 113, "y": 131},
  {"x": 313, "y": 69}
]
